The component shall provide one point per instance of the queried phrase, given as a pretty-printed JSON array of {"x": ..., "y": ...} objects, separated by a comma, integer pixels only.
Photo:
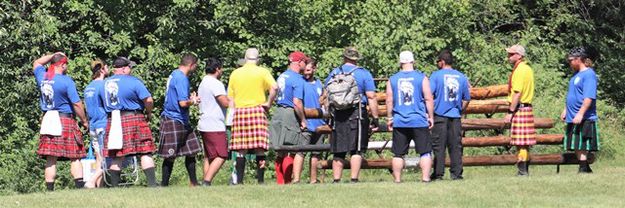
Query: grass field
[{"x": 482, "y": 187}]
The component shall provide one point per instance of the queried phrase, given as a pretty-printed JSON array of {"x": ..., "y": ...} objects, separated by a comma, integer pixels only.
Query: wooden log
[
  {"x": 481, "y": 93},
  {"x": 477, "y": 93},
  {"x": 498, "y": 123},
  {"x": 477, "y": 124},
  {"x": 475, "y": 107},
  {"x": 486, "y": 160},
  {"x": 487, "y": 107},
  {"x": 541, "y": 159},
  {"x": 541, "y": 139}
]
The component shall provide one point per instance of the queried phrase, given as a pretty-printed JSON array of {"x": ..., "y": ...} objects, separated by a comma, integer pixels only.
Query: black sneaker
[
  {"x": 454, "y": 178},
  {"x": 354, "y": 180},
  {"x": 435, "y": 178}
]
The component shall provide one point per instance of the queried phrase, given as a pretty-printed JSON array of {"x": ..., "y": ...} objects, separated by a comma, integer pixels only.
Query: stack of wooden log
[{"x": 488, "y": 101}]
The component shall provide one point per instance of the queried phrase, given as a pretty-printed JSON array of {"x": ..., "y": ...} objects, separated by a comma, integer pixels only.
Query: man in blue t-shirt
[
  {"x": 410, "y": 115},
  {"x": 312, "y": 91},
  {"x": 580, "y": 113},
  {"x": 97, "y": 116},
  {"x": 450, "y": 89},
  {"x": 60, "y": 137},
  {"x": 288, "y": 121},
  {"x": 347, "y": 139},
  {"x": 129, "y": 104},
  {"x": 177, "y": 138}
]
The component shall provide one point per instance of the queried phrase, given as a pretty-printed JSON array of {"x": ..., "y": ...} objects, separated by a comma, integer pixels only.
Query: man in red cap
[{"x": 288, "y": 121}]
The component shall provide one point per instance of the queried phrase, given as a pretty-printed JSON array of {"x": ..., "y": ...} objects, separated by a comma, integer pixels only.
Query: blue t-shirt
[
  {"x": 57, "y": 94},
  {"x": 408, "y": 103},
  {"x": 290, "y": 85},
  {"x": 449, "y": 88},
  {"x": 94, "y": 105},
  {"x": 363, "y": 78},
  {"x": 582, "y": 85},
  {"x": 312, "y": 92},
  {"x": 177, "y": 90},
  {"x": 123, "y": 92}
]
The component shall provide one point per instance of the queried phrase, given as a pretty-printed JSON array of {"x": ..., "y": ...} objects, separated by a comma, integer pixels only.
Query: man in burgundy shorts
[{"x": 213, "y": 102}]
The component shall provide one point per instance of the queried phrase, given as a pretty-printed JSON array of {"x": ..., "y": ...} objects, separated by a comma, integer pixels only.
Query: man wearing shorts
[
  {"x": 213, "y": 102},
  {"x": 410, "y": 114}
]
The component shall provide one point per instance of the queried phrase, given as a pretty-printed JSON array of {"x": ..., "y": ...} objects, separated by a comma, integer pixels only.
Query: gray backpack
[{"x": 342, "y": 90}]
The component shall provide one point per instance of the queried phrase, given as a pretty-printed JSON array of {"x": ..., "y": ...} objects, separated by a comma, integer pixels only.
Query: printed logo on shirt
[
  {"x": 576, "y": 81},
  {"x": 406, "y": 91},
  {"x": 111, "y": 92},
  {"x": 47, "y": 93},
  {"x": 281, "y": 85},
  {"x": 452, "y": 86},
  {"x": 319, "y": 91},
  {"x": 89, "y": 92}
]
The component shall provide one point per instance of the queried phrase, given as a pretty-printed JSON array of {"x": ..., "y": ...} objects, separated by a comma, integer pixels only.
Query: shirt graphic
[
  {"x": 406, "y": 91},
  {"x": 47, "y": 93},
  {"x": 452, "y": 86},
  {"x": 111, "y": 92}
]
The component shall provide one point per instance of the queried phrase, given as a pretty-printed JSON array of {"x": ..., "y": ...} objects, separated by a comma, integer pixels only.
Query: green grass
[{"x": 482, "y": 187}]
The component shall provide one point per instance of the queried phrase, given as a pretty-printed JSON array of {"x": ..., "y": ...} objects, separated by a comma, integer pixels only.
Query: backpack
[{"x": 342, "y": 90}]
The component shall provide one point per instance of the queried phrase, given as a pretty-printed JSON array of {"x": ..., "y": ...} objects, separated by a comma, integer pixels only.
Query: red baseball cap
[{"x": 297, "y": 56}]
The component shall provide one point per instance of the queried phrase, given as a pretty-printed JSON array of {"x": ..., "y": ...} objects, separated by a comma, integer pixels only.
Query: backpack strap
[{"x": 355, "y": 68}]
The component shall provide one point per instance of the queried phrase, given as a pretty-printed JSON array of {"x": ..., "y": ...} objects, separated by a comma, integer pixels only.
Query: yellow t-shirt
[
  {"x": 523, "y": 82},
  {"x": 248, "y": 85}
]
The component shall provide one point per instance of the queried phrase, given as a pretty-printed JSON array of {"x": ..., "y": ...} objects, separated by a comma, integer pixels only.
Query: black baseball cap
[{"x": 122, "y": 62}]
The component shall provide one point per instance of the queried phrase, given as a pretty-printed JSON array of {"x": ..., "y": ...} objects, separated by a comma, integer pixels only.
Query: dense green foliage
[{"x": 155, "y": 33}]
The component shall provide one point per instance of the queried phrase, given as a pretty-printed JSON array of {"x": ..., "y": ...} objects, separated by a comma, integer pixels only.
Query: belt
[
  {"x": 66, "y": 115},
  {"x": 523, "y": 105},
  {"x": 284, "y": 106}
]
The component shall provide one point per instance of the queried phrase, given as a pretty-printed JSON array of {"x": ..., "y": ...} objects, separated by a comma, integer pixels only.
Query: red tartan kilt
[
  {"x": 137, "y": 137},
  {"x": 68, "y": 146}
]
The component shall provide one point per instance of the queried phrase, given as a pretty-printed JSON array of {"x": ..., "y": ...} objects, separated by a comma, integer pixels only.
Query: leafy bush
[{"x": 155, "y": 33}]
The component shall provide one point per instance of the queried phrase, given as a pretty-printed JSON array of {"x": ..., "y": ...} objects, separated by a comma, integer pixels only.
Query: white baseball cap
[{"x": 406, "y": 57}]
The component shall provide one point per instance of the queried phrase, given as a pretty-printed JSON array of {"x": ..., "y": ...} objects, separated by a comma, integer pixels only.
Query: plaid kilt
[
  {"x": 522, "y": 132},
  {"x": 249, "y": 129},
  {"x": 177, "y": 139},
  {"x": 137, "y": 137},
  {"x": 68, "y": 146},
  {"x": 584, "y": 136}
]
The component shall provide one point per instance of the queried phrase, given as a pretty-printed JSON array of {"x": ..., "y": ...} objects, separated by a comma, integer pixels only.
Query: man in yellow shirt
[
  {"x": 520, "y": 115},
  {"x": 247, "y": 88}
]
